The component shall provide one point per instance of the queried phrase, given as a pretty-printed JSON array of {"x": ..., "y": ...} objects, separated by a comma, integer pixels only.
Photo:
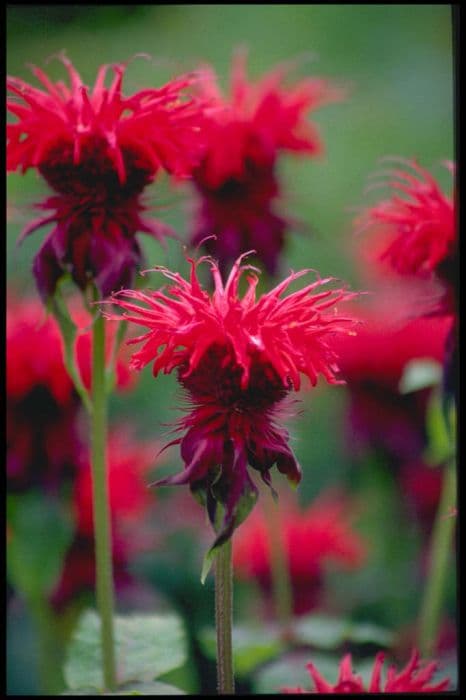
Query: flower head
[
  {"x": 313, "y": 537},
  {"x": 414, "y": 678},
  {"x": 129, "y": 462},
  {"x": 98, "y": 149},
  {"x": 237, "y": 358},
  {"x": 236, "y": 180},
  {"x": 420, "y": 222}
]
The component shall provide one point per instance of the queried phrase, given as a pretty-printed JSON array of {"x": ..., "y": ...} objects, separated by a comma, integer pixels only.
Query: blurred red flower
[
  {"x": 129, "y": 463},
  {"x": 413, "y": 678},
  {"x": 382, "y": 418},
  {"x": 237, "y": 358},
  {"x": 98, "y": 150},
  {"x": 419, "y": 223},
  {"x": 389, "y": 337},
  {"x": 43, "y": 436},
  {"x": 312, "y": 538},
  {"x": 236, "y": 182}
]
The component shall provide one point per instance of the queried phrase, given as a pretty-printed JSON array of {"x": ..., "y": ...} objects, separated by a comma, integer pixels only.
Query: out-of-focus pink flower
[
  {"x": 129, "y": 463},
  {"x": 236, "y": 182},
  {"x": 388, "y": 338},
  {"x": 237, "y": 358},
  {"x": 43, "y": 436},
  {"x": 312, "y": 538},
  {"x": 418, "y": 227},
  {"x": 98, "y": 150},
  {"x": 415, "y": 677}
]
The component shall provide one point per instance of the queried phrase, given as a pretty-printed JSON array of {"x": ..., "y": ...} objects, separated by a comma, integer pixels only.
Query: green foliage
[
  {"x": 146, "y": 647},
  {"x": 155, "y": 688},
  {"x": 58, "y": 308},
  {"x": 255, "y": 646},
  {"x": 386, "y": 589},
  {"x": 40, "y": 531},
  {"x": 325, "y": 632}
]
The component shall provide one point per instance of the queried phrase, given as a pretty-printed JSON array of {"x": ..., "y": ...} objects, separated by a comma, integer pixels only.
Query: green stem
[
  {"x": 223, "y": 619},
  {"x": 281, "y": 584},
  {"x": 100, "y": 494},
  {"x": 111, "y": 370},
  {"x": 49, "y": 649},
  {"x": 440, "y": 554}
]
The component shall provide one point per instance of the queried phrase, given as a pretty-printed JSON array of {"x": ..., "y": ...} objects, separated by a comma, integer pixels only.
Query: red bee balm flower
[
  {"x": 420, "y": 221},
  {"x": 312, "y": 538},
  {"x": 412, "y": 679},
  {"x": 42, "y": 405},
  {"x": 236, "y": 180},
  {"x": 237, "y": 358},
  {"x": 98, "y": 150}
]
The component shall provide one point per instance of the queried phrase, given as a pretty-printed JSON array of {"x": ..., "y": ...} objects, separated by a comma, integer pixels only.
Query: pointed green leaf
[{"x": 68, "y": 329}]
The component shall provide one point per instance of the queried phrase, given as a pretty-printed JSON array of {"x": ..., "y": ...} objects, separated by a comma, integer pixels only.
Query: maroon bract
[
  {"x": 237, "y": 358},
  {"x": 414, "y": 678},
  {"x": 98, "y": 150},
  {"x": 236, "y": 182}
]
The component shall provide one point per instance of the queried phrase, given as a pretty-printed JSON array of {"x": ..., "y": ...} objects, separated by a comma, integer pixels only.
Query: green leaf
[
  {"x": 207, "y": 562},
  {"x": 68, "y": 329},
  {"x": 252, "y": 646},
  {"x": 321, "y": 631},
  {"x": 40, "y": 531},
  {"x": 420, "y": 374},
  {"x": 367, "y": 633},
  {"x": 146, "y": 647},
  {"x": 330, "y": 633},
  {"x": 154, "y": 688}
]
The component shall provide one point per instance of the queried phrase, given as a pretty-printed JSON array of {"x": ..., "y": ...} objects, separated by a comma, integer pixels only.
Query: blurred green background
[{"x": 397, "y": 63}]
